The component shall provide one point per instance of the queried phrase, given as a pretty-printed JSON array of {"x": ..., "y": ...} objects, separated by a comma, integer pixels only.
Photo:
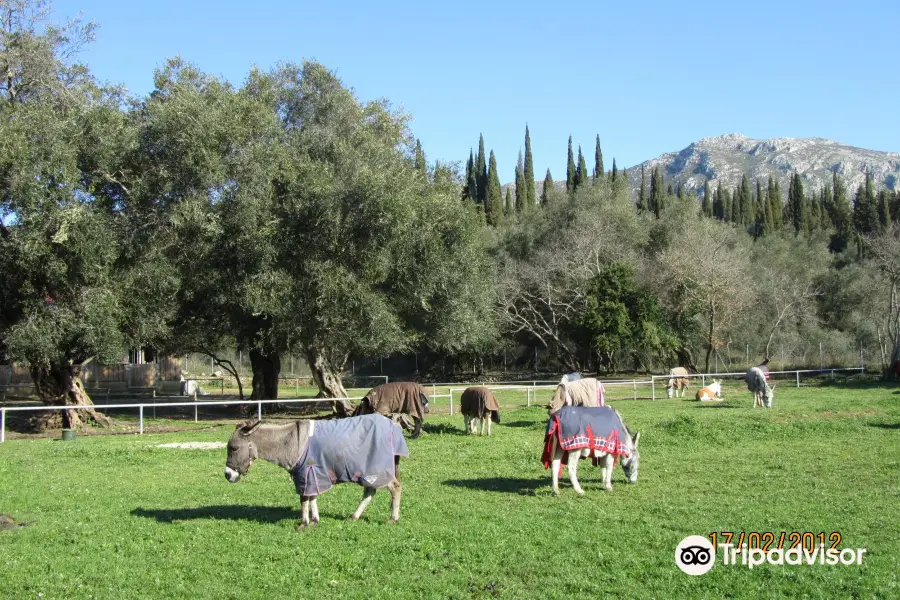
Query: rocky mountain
[{"x": 724, "y": 158}]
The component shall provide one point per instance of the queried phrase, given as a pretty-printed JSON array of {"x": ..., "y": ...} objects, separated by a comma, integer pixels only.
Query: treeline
[{"x": 605, "y": 281}]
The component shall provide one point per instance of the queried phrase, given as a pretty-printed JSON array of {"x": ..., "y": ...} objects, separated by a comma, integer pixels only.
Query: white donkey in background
[
  {"x": 711, "y": 392},
  {"x": 763, "y": 393}
]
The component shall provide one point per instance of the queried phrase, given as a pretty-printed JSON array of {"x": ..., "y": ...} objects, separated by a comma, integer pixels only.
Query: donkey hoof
[{"x": 391, "y": 522}]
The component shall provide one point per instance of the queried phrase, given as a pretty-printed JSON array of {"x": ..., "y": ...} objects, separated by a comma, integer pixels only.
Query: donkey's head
[
  {"x": 716, "y": 387},
  {"x": 558, "y": 399},
  {"x": 769, "y": 395},
  {"x": 241, "y": 451},
  {"x": 630, "y": 466}
]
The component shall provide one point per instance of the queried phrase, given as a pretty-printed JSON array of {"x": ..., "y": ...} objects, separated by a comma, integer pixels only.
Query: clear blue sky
[{"x": 649, "y": 77}]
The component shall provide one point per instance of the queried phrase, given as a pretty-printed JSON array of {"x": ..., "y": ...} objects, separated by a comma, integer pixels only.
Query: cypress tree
[
  {"x": 669, "y": 192},
  {"x": 481, "y": 179},
  {"x": 521, "y": 192},
  {"x": 420, "y": 164},
  {"x": 884, "y": 209},
  {"x": 598, "y": 161},
  {"x": 530, "y": 198},
  {"x": 841, "y": 218},
  {"x": 719, "y": 202},
  {"x": 547, "y": 188},
  {"x": 615, "y": 170},
  {"x": 657, "y": 193},
  {"x": 813, "y": 211},
  {"x": 642, "y": 199},
  {"x": 581, "y": 170},
  {"x": 747, "y": 213},
  {"x": 493, "y": 208},
  {"x": 570, "y": 170},
  {"x": 865, "y": 209},
  {"x": 470, "y": 189},
  {"x": 727, "y": 206},
  {"x": 768, "y": 225},
  {"x": 759, "y": 204},
  {"x": 508, "y": 207},
  {"x": 706, "y": 207},
  {"x": 778, "y": 206}
]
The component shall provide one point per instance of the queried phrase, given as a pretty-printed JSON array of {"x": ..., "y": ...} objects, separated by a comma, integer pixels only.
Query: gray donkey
[
  {"x": 763, "y": 393},
  {"x": 365, "y": 450}
]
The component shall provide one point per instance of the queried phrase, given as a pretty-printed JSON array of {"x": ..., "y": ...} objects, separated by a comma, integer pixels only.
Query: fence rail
[
  {"x": 795, "y": 372},
  {"x": 531, "y": 391}
]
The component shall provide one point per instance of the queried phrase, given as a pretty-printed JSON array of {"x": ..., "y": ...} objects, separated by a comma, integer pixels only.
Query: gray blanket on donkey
[
  {"x": 595, "y": 427},
  {"x": 358, "y": 449}
]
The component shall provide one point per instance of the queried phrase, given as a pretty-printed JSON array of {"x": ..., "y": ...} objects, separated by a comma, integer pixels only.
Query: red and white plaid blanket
[{"x": 579, "y": 427}]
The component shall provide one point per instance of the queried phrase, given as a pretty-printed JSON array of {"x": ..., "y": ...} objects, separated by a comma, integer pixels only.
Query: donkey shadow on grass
[
  {"x": 236, "y": 512},
  {"x": 506, "y": 485}
]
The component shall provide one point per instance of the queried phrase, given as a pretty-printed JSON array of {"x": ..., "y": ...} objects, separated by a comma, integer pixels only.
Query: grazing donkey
[
  {"x": 576, "y": 432},
  {"x": 365, "y": 450},
  {"x": 711, "y": 392},
  {"x": 763, "y": 393},
  {"x": 400, "y": 401},
  {"x": 479, "y": 406},
  {"x": 578, "y": 392},
  {"x": 677, "y": 383}
]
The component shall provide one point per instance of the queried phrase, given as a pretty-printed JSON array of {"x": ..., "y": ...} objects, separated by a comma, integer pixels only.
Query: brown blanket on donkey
[
  {"x": 397, "y": 397},
  {"x": 477, "y": 401},
  {"x": 582, "y": 392}
]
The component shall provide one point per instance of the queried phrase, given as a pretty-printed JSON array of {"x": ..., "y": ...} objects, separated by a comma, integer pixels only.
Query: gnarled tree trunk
[
  {"x": 328, "y": 378},
  {"x": 61, "y": 385},
  {"x": 266, "y": 368}
]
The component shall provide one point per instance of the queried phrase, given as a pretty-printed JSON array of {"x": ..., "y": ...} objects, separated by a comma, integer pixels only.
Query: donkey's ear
[
  {"x": 636, "y": 438},
  {"x": 250, "y": 427}
]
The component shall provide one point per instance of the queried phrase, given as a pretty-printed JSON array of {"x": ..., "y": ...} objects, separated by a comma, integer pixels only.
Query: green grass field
[{"x": 120, "y": 517}]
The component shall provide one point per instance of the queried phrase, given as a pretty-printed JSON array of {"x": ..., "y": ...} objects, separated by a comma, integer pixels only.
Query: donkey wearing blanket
[
  {"x": 365, "y": 450},
  {"x": 399, "y": 400},
  {"x": 677, "y": 382},
  {"x": 576, "y": 432},
  {"x": 479, "y": 405},
  {"x": 580, "y": 392},
  {"x": 763, "y": 393}
]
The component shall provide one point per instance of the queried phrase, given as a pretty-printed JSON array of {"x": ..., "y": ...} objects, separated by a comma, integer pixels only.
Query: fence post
[
  {"x": 634, "y": 386},
  {"x": 832, "y": 374},
  {"x": 259, "y": 411},
  {"x": 2, "y": 425},
  {"x": 703, "y": 380},
  {"x": 297, "y": 388},
  {"x": 141, "y": 419},
  {"x": 451, "y": 401},
  {"x": 798, "y": 378},
  {"x": 195, "y": 413},
  {"x": 653, "y": 386},
  {"x": 222, "y": 381}
]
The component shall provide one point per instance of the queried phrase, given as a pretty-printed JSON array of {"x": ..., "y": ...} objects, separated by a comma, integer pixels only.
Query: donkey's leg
[
  {"x": 396, "y": 491},
  {"x": 489, "y": 420},
  {"x": 574, "y": 457},
  {"x": 418, "y": 429},
  {"x": 367, "y": 497},
  {"x": 314, "y": 505},
  {"x": 483, "y": 424},
  {"x": 555, "y": 465},
  {"x": 607, "y": 470},
  {"x": 304, "y": 512}
]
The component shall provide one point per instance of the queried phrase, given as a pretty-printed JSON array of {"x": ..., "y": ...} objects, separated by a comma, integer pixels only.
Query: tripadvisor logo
[{"x": 696, "y": 555}]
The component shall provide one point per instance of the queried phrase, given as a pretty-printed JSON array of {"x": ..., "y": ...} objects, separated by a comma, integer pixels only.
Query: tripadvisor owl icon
[{"x": 695, "y": 555}]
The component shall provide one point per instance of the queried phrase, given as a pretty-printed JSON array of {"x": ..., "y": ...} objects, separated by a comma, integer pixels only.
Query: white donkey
[
  {"x": 763, "y": 393},
  {"x": 677, "y": 382},
  {"x": 711, "y": 392},
  {"x": 576, "y": 432}
]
